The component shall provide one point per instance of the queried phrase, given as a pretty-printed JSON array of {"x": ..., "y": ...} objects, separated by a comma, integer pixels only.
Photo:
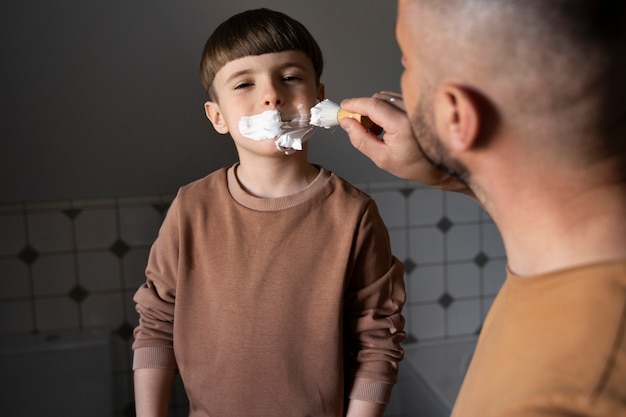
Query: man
[{"x": 521, "y": 104}]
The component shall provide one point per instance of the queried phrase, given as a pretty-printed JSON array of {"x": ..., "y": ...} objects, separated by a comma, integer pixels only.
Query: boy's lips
[
  {"x": 296, "y": 121},
  {"x": 289, "y": 135}
]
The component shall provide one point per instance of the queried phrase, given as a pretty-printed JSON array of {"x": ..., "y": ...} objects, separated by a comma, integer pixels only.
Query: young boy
[{"x": 271, "y": 287}]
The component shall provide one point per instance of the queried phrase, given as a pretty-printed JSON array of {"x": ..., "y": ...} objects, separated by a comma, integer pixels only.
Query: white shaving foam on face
[
  {"x": 269, "y": 125},
  {"x": 293, "y": 139},
  {"x": 266, "y": 125}
]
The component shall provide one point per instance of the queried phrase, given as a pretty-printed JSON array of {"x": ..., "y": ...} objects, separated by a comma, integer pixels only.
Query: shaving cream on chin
[{"x": 269, "y": 125}]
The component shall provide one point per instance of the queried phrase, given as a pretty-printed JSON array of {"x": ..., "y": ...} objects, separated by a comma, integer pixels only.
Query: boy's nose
[
  {"x": 271, "y": 95},
  {"x": 272, "y": 102}
]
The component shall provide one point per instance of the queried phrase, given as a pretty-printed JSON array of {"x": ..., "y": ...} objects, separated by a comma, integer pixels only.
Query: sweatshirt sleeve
[
  {"x": 373, "y": 319},
  {"x": 153, "y": 344}
]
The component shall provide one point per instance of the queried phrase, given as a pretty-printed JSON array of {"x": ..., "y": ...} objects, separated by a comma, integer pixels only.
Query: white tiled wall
[
  {"x": 76, "y": 264},
  {"x": 453, "y": 254}
]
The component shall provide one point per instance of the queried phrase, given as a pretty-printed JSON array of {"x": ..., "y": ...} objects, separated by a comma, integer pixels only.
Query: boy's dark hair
[{"x": 255, "y": 32}]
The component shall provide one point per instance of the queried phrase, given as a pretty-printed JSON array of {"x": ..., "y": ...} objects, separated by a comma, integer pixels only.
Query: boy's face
[{"x": 284, "y": 81}]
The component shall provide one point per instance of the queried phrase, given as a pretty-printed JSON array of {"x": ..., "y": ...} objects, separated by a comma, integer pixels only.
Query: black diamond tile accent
[
  {"x": 445, "y": 300},
  {"x": 78, "y": 294},
  {"x": 72, "y": 213},
  {"x": 406, "y": 191},
  {"x": 120, "y": 248},
  {"x": 125, "y": 331},
  {"x": 477, "y": 331},
  {"x": 481, "y": 259},
  {"x": 409, "y": 265},
  {"x": 28, "y": 255},
  {"x": 444, "y": 224}
]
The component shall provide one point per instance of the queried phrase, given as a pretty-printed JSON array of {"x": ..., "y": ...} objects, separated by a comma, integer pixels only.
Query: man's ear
[
  {"x": 214, "y": 114},
  {"x": 457, "y": 117}
]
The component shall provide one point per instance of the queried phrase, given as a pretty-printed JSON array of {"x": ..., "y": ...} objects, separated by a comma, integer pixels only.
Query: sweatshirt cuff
[
  {"x": 154, "y": 357},
  {"x": 371, "y": 391}
]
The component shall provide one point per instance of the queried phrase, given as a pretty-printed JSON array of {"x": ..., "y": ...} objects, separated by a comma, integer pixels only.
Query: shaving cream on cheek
[
  {"x": 289, "y": 136},
  {"x": 266, "y": 125}
]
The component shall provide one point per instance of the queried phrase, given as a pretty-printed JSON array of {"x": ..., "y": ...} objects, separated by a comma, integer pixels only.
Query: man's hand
[{"x": 397, "y": 152}]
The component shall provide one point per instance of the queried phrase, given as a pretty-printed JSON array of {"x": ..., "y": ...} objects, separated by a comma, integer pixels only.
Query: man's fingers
[
  {"x": 381, "y": 111},
  {"x": 362, "y": 139},
  {"x": 392, "y": 98}
]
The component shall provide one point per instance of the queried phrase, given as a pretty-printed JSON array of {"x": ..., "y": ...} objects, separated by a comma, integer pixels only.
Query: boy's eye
[
  {"x": 290, "y": 78},
  {"x": 242, "y": 85}
]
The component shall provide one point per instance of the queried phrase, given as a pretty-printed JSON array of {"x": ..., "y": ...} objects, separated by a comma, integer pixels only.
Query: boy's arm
[
  {"x": 152, "y": 391},
  {"x": 154, "y": 362},
  {"x": 373, "y": 316},
  {"x": 358, "y": 408}
]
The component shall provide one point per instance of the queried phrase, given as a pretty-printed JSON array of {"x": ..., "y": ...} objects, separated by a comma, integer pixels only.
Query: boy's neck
[{"x": 276, "y": 177}]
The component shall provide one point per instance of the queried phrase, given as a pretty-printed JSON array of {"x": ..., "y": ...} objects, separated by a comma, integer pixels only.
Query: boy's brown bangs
[{"x": 253, "y": 33}]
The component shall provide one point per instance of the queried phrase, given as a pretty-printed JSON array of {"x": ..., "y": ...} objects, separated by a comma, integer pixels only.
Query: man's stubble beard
[{"x": 431, "y": 145}]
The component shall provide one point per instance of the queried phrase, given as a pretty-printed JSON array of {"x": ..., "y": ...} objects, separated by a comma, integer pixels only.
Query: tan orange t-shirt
[{"x": 552, "y": 345}]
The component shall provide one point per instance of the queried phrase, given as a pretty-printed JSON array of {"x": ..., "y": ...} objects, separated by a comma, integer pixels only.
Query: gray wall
[{"x": 102, "y": 99}]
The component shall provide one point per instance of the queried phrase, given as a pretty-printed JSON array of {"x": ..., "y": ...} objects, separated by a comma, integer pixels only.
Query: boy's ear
[
  {"x": 457, "y": 117},
  {"x": 321, "y": 92},
  {"x": 214, "y": 114}
]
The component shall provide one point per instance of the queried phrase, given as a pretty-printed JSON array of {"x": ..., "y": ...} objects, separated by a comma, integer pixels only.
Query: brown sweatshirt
[{"x": 269, "y": 307}]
